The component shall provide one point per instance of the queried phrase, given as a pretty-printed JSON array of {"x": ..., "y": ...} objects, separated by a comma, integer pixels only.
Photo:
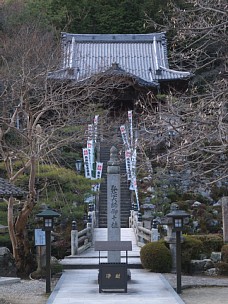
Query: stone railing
[
  {"x": 143, "y": 235},
  {"x": 82, "y": 240}
]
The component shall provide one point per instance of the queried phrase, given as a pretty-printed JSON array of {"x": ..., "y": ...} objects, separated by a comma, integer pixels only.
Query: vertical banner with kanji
[
  {"x": 128, "y": 163},
  {"x": 133, "y": 163},
  {"x": 90, "y": 147},
  {"x": 95, "y": 122},
  {"x": 90, "y": 132},
  {"x": 99, "y": 168},
  {"x": 131, "y": 127},
  {"x": 124, "y": 136},
  {"x": 87, "y": 167}
]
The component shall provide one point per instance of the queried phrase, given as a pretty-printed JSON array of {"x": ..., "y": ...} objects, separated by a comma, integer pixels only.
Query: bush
[
  {"x": 5, "y": 241},
  {"x": 156, "y": 257},
  {"x": 211, "y": 242},
  {"x": 224, "y": 252},
  {"x": 222, "y": 268},
  {"x": 191, "y": 249}
]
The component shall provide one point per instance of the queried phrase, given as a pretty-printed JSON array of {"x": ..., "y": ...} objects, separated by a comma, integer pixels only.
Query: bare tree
[
  {"x": 36, "y": 111},
  {"x": 191, "y": 127}
]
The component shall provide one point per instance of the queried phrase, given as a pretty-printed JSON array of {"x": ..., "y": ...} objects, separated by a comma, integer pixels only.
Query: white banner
[
  {"x": 99, "y": 168},
  {"x": 124, "y": 136},
  {"x": 95, "y": 122},
  {"x": 90, "y": 147},
  {"x": 131, "y": 127},
  {"x": 128, "y": 163},
  {"x": 87, "y": 167},
  {"x": 133, "y": 186},
  {"x": 133, "y": 163},
  {"x": 90, "y": 132}
]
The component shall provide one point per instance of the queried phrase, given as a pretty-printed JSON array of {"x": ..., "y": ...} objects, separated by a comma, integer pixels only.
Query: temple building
[{"x": 138, "y": 61}]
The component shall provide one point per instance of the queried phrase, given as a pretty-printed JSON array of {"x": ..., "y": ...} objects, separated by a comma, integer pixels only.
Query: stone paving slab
[
  {"x": 9, "y": 280},
  {"x": 81, "y": 287}
]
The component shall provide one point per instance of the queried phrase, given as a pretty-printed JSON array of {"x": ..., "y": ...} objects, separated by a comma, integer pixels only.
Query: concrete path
[{"x": 81, "y": 287}]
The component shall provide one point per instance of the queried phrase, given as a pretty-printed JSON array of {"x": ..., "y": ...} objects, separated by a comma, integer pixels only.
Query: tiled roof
[
  {"x": 143, "y": 56},
  {"x": 7, "y": 189}
]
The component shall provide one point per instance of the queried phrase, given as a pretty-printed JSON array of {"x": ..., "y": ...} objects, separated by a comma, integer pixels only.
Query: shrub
[
  {"x": 156, "y": 257},
  {"x": 191, "y": 249},
  {"x": 5, "y": 241},
  {"x": 222, "y": 268},
  {"x": 224, "y": 252},
  {"x": 211, "y": 242}
]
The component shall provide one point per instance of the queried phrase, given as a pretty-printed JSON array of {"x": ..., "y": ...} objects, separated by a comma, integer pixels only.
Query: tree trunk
[{"x": 25, "y": 261}]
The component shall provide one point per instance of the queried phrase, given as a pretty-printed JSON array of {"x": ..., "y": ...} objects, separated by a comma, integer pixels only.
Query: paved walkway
[{"x": 80, "y": 286}]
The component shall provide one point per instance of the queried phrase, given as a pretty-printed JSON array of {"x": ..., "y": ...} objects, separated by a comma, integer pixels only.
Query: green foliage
[
  {"x": 5, "y": 241},
  {"x": 217, "y": 193},
  {"x": 56, "y": 267},
  {"x": 191, "y": 248},
  {"x": 87, "y": 16},
  {"x": 224, "y": 252},
  {"x": 210, "y": 242},
  {"x": 156, "y": 257},
  {"x": 45, "y": 12},
  {"x": 3, "y": 213}
]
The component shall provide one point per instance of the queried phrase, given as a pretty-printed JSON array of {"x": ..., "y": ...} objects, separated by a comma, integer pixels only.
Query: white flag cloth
[
  {"x": 87, "y": 167},
  {"x": 95, "y": 122},
  {"x": 124, "y": 136},
  {"x": 131, "y": 127},
  {"x": 99, "y": 168},
  {"x": 90, "y": 147},
  {"x": 128, "y": 163},
  {"x": 90, "y": 132}
]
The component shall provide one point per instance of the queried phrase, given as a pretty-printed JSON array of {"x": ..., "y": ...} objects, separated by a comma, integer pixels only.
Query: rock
[
  {"x": 211, "y": 272},
  {"x": 196, "y": 204},
  {"x": 7, "y": 263},
  {"x": 216, "y": 257},
  {"x": 208, "y": 264},
  {"x": 199, "y": 266}
]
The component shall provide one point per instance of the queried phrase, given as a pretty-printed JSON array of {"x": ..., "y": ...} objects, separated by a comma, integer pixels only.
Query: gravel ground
[
  {"x": 201, "y": 289},
  {"x": 195, "y": 290},
  {"x": 24, "y": 292}
]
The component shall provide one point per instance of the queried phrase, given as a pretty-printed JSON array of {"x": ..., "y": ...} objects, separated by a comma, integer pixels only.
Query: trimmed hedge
[
  {"x": 211, "y": 243},
  {"x": 156, "y": 257},
  {"x": 191, "y": 248}
]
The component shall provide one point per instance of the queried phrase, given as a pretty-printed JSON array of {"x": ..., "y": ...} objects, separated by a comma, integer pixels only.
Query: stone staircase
[{"x": 125, "y": 196}]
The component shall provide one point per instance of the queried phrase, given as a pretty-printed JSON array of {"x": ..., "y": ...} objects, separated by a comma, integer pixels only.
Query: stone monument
[{"x": 113, "y": 204}]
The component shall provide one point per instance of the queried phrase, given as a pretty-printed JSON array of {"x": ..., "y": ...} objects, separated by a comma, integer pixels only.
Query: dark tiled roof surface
[
  {"x": 141, "y": 55},
  {"x": 7, "y": 189}
]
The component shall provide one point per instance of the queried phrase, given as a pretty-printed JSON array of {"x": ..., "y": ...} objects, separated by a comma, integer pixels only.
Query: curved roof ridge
[
  {"x": 174, "y": 71},
  {"x": 114, "y": 37}
]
